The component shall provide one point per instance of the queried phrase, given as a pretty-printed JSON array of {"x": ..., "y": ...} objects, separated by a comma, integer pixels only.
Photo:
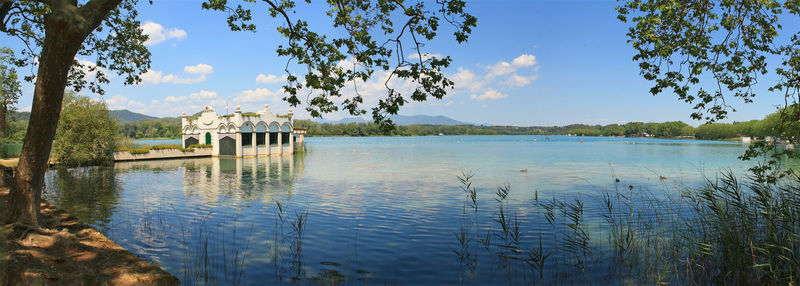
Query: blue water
[{"x": 380, "y": 210}]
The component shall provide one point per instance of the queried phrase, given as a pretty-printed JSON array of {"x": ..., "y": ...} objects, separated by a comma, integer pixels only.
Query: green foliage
[
  {"x": 710, "y": 52},
  {"x": 155, "y": 128},
  {"x": 666, "y": 129},
  {"x": 687, "y": 47},
  {"x": 186, "y": 149},
  {"x": 10, "y": 90},
  {"x": 246, "y": 114},
  {"x": 86, "y": 132},
  {"x": 121, "y": 51},
  {"x": 586, "y": 132},
  {"x": 164, "y": 147},
  {"x": 368, "y": 36},
  {"x": 139, "y": 151},
  {"x": 200, "y": 146}
]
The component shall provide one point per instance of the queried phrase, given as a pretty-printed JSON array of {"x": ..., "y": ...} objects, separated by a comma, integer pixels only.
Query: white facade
[{"x": 240, "y": 134}]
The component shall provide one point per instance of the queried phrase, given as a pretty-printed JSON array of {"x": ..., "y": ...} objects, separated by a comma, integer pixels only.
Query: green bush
[
  {"x": 186, "y": 149},
  {"x": 121, "y": 149},
  {"x": 86, "y": 133},
  {"x": 200, "y": 146},
  {"x": 140, "y": 151},
  {"x": 165, "y": 147}
]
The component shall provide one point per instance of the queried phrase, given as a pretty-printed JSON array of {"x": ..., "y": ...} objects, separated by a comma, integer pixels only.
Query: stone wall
[{"x": 162, "y": 154}]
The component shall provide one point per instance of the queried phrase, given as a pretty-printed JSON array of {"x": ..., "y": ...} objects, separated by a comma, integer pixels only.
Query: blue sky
[{"x": 527, "y": 63}]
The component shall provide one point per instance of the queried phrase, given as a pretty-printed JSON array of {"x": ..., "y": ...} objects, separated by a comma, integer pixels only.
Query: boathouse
[{"x": 240, "y": 134}]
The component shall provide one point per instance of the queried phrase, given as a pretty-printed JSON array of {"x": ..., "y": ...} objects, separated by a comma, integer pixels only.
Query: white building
[{"x": 240, "y": 134}]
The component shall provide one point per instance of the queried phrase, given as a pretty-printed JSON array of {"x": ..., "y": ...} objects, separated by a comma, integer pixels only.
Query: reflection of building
[
  {"x": 239, "y": 179},
  {"x": 251, "y": 179},
  {"x": 240, "y": 134}
]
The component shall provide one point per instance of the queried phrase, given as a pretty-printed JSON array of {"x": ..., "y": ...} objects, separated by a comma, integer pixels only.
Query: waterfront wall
[{"x": 161, "y": 154}]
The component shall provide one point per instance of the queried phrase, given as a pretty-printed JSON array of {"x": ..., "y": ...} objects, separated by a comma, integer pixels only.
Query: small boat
[{"x": 441, "y": 134}]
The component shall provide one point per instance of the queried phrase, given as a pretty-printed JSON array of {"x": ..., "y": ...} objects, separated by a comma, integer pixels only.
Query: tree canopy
[
  {"x": 711, "y": 52},
  {"x": 386, "y": 36},
  {"x": 86, "y": 133}
]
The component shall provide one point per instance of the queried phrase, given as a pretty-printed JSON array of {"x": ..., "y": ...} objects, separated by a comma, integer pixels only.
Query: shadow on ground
[{"x": 68, "y": 252}]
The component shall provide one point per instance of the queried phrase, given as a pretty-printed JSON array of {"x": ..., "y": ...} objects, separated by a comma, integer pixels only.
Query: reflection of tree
[{"x": 89, "y": 193}]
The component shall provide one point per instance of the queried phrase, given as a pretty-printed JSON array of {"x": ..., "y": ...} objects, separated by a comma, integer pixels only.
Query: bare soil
[{"x": 67, "y": 252}]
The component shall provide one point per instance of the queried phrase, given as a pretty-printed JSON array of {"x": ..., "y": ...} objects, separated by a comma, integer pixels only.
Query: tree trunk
[
  {"x": 58, "y": 51},
  {"x": 3, "y": 119}
]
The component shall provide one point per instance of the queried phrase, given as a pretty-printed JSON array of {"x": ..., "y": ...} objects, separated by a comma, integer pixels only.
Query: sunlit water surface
[{"x": 376, "y": 210}]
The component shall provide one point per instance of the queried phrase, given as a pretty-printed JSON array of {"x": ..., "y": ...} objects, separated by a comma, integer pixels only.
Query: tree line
[{"x": 670, "y": 129}]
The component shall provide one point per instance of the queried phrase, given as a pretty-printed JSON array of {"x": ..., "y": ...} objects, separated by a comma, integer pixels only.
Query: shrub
[
  {"x": 165, "y": 147},
  {"x": 200, "y": 146},
  {"x": 86, "y": 132},
  {"x": 140, "y": 151},
  {"x": 186, "y": 149}
]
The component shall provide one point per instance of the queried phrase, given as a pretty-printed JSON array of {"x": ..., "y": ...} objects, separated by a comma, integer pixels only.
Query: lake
[{"x": 380, "y": 210}]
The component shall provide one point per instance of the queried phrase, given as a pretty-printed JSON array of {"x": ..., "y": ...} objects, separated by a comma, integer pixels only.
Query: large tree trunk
[
  {"x": 66, "y": 27},
  {"x": 58, "y": 52}
]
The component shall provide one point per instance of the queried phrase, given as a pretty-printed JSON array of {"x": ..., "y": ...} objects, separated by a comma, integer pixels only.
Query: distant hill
[
  {"x": 125, "y": 115},
  {"x": 20, "y": 115},
  {"x": 402, "y": 120}
]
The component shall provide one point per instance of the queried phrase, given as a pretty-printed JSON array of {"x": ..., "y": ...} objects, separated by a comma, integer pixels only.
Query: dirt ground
[{"x": 68, "y": 252}]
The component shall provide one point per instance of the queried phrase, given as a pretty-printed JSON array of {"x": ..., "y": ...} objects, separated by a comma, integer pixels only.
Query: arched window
[
  {"x": 274, "y": 128},
  {"x": 261, "y": 134},
  {"x": 247, "y": 135},
  {"x": 286, "y": 129}
]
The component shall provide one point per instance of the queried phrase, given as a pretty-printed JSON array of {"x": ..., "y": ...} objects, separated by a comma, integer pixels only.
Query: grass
[{"x": 729, "y": 231}]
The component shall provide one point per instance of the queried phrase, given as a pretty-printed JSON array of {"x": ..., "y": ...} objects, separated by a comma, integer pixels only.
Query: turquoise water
[{"x": 380, "y": 210}]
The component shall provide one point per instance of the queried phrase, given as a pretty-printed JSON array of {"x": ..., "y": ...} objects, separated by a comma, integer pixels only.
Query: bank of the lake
[{"x": 68, "y": 252}]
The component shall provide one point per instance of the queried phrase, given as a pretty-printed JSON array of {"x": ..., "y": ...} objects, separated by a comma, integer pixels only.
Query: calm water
[{"x": 375, "y": 210}]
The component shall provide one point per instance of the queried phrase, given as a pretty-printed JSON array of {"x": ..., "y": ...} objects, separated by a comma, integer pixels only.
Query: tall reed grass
[{"x": 729, "y": 231}]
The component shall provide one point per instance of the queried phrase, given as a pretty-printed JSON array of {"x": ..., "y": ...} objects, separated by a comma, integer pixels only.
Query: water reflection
[
  {"x": 388, "y": 210},
  {"x": 93, "y": 193},
  {"x": 206, "y": 220}
]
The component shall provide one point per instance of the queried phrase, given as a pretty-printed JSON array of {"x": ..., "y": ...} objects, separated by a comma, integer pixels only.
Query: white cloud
[
  {"x": 117, "y": 102},
  {"x": 517, "y": 80},
  {"x": 158, "y": 34},
  {"x": 267, "y": 79},
  {"x": 257, "y": 95},
  {"x": 489, "y": 94},
  {"x": 156, "y": 77},
  {"x": 467, "y": 79},
  {"x": 203, "y": 94},
  {"x": 198, "y": 69},
  {"x": 501, "y": 68},
  {"x": 448, "y": 103},
  {"x": 170, "y": 78},
  {"x": 135, "y": 104},
  {"x": 174, "y": 99},
  {"x": 151, "y": 77},
  {"x": 504, "y": 68},
  {"x": 525, "y": 60}
]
